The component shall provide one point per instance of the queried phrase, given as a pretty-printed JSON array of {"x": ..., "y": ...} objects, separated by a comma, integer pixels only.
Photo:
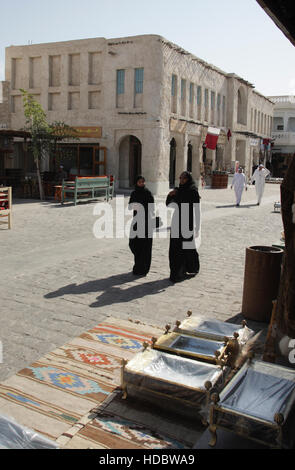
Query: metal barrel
[{"x": 261, "y": 281}]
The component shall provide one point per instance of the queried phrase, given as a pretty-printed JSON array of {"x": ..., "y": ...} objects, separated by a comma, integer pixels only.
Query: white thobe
[
  {"x": 259, "y": 178},
  {"x": 239, "y": 183}
]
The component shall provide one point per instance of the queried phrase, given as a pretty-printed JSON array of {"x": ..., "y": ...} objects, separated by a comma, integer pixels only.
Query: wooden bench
[
  {"x": 86, "y": 189},
  {"x": 6, "y": 205}
]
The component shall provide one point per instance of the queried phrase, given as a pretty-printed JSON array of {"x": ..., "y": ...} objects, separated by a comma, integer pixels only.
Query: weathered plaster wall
[{"x": 75, "y": 82}]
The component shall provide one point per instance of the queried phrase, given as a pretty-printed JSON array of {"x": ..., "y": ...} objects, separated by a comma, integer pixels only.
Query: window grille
[
  {"x": 138, "y": 81},
  {"x": 120, "y": 82}
]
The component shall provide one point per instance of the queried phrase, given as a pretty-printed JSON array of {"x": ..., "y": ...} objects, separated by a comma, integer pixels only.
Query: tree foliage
[
  {"x": 44, "y": 136},
  {"x": 36, "y": 124}
]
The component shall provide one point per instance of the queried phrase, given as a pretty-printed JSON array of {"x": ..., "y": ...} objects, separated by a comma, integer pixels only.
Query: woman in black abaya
[
  {"x": 141, "y": 243},
  {"x": 183, "y": 255}
]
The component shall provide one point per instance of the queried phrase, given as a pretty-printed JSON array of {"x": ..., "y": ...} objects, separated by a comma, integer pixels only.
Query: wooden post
[
  {"x": 6, "y": 196},
  {"x": 269, "y": 354},
  {"x": 286, "y": 296},
  {"x": 10, "y": 208}
]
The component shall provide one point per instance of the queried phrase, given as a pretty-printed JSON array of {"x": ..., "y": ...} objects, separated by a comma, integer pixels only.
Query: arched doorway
[
  {"x": 241, "y": 152},
  {"x": 242, "y": 107},
  {"x": 219, "y": 158},
  {"x": 189, "y": 165},
  {"x": 172, "y": 167},
  {"x": 134, "y": 159},
  {"x": 130, "y": 153}
]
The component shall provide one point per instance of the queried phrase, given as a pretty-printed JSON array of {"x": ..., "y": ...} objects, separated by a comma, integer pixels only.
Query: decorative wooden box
[
  {"x": 201, "y": 349},
  {"x": 168, "y": 381},
  {"x": 258, "y": 403},
  {"x": 221, "y": 352},
  {"x": 215, "y": 330}
]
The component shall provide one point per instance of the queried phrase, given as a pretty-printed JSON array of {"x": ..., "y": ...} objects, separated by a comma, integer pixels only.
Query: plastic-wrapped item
[
  {"x": 214, "y": 329},
  {"x": 190, "y": 346},
  {"x": 170, "y": 380},
  {"x": 15, "y": 436},
  {"x": 258, "y": 403}
]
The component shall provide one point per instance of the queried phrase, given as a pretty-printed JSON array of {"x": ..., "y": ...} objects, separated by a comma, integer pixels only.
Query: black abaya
[
  {"x": 141, "y": 247},
  {"x": 183, "y": 260}
]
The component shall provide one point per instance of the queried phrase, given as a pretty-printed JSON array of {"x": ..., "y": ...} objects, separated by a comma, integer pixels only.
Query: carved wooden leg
[
  {"x": 212, "y": 426},
  {"x": 213, "y": 429},
  {"x": 279, "y": 419},
  {"x": 124, "y": 392},
  {"x": 123, "y": 384}
]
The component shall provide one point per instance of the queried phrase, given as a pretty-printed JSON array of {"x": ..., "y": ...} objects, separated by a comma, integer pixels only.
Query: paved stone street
[{"x": 58, "y": 280}]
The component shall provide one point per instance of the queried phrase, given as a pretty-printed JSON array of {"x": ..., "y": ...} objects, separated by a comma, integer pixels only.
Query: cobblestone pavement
[{"x": 58, "y": 280}]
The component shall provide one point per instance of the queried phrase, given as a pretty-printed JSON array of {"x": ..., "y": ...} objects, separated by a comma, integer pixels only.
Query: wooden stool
[{"x": 57, "y": 193}]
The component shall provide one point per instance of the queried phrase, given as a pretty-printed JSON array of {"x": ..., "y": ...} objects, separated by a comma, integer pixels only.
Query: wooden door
[
  {"x": 134, "y": 160},
  {"x": 99, "y": 161}
]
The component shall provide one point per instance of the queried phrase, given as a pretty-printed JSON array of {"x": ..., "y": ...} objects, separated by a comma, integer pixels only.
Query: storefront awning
[
  {"x": 282, "y": 12},
  {"x": 13, "y": 133}
]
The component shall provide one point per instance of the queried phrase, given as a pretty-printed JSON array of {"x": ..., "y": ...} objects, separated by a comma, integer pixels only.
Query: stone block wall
[{"x": 4, "y": 105}]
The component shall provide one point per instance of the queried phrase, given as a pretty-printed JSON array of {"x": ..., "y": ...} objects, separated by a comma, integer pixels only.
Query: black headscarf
[
  {"x": 190, "y": 183},
  {"x": 187, "y": 192},
  {"x": 141, "y": 194}
]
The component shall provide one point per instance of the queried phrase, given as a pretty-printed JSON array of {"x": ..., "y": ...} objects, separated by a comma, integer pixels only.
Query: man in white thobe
[
  {"x": 239, "y": 183},
  {"x": 259, "y": 176}
]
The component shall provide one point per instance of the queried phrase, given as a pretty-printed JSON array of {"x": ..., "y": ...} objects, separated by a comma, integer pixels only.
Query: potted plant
[{"x": 219, "y": 179}]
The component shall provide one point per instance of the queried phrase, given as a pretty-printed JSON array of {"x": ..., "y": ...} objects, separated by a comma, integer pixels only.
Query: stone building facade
[
  {"x": 143, "y": 100},
  {"x": 283, "y": 134},
  {"x": 4, "y": 106}
]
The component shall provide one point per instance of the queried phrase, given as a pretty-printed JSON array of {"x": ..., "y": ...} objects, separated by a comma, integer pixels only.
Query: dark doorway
[
  {"x": 85, "y": 161},
  {"x": 189, "y": 166},
  {"x": 134, "y": 159},
  {"x": 172, "y": 168},
  {"x": 2, "y": 157}
]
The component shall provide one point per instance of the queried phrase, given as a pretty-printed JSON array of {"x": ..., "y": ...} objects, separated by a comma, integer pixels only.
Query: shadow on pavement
[
  {"x": 55, "y": 204},
  {"x": 116, "y": 295},
  {"x": 110, "y": 289},
  {"x": 59, "y": 205},
  {"x": 16, "y": 201},
  {"x": 242, "y": 206}
]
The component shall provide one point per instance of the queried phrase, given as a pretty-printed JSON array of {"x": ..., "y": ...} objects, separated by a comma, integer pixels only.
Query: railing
[
  {"x": 282, "y": 99},
  {"x": 283, "y": 138}
]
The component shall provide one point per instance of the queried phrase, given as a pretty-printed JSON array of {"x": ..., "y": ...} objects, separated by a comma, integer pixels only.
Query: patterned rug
[{"x": 71, "y": 394}]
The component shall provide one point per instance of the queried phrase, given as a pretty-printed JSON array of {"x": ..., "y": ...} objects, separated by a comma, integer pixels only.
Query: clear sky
[{"x": 234, "y": 35}]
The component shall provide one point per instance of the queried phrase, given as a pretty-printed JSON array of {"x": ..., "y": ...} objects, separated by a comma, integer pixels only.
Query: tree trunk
[
  {"x": 41, "y": 192},
  {"x": 286, "y": 296}
]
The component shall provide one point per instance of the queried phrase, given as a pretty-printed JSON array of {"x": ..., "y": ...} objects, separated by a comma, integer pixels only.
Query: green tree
[
  {"x": 44, "y": 136},
  {"x": 61, "y": 132}
]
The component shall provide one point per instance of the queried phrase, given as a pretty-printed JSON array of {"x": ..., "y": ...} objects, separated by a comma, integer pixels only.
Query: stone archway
[
  {"x": 220, "y": 157},
  {"x": 130, "y": 153},
  {"x": 242, "y": 107},
  {"x": 189, "y": 163},
  {"x": 241, "y": 152},
  {"x": 172, "y": 167}
]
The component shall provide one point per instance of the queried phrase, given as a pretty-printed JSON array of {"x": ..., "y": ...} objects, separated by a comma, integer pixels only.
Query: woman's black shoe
[
  {"x": 139, "y": 274},
  {"x": 189, "y": 275},
  {"x": 176, "y": 279}
]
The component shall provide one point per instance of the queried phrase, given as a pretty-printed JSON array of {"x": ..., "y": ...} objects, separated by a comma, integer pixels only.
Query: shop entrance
[
  {"x": 82, "y": 160},
  {"x": 130, "y": 154},
  {"x": 134, "y": 160}
]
